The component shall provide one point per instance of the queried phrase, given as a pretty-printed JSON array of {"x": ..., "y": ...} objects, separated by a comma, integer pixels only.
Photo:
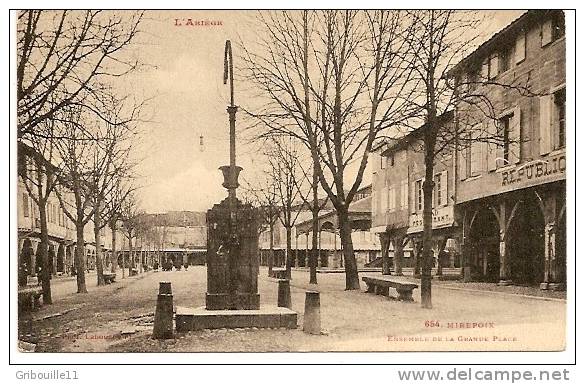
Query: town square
[{"x": 291, "y": 181}]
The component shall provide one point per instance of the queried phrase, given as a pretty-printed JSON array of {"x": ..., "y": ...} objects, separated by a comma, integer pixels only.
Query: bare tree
[
  {"x": 264, "y": 197},
  {"x": 334, "y": 80},
  {"x": 78, "y": 166},
  {"x": 110, "y": 165},
  {"x": 284, "y": 169},
  {"x": 39, "y": 178},
  {"x": 112, "y": 215},
  {"x": 438, "y": 41},
  {"x": 65, "y": 59},
  {"x": 131, "y": 222}
]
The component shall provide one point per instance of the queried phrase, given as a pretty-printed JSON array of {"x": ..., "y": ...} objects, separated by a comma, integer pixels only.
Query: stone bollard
[
  {"x": 163, "y": 315},
  {"x": 164, "y": 287},
  {"x": 312, "y": 317},
  {"x": 284, "y": 294}
]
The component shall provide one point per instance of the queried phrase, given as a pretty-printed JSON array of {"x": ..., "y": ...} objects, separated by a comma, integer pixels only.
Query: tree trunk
[
  {"x": 289, "y": 257},
  {"x": 44, "y": 251},
  {"x": 313, "y": 260},
  {"x": 398, "y": 254},
  {"x": 131, "y": 255},
  {"x": 440, "y": 253},
  {"x": 315, "y": 229},
  {"x": 271, "y": 252},
  {"x": 123, "y": 258},
  {"x": 352, "y": 280},
  {"x": 385, "y": 244},
  {"x": 98, "y": 249},
  {"x": 427, "y": 252},
  {"x": 80, "y": 258},
  {"x": 416, "y": 250},
  {"x": 114, "y": 251}
]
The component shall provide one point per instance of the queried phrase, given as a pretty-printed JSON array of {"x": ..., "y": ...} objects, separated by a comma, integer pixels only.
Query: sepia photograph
[{"x": 335, "y": 180}]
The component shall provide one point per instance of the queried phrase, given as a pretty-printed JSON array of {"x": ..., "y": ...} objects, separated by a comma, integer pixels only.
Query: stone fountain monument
[{"x": 232, "y": 299}]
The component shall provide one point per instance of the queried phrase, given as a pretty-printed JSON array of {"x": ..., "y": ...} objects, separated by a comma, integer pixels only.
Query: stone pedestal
[
  {"x": 191, "y": 319},
  {"x": 232, "y": 261},
  {"x": 284, "y": 294},
  {"x": 312, "y": 317}
]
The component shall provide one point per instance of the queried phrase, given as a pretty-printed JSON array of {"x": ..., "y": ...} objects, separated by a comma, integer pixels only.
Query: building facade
[
  {"x": 511, "y": 194},
  {"x": 499, "y": 206},
  {"x": 61, "y": 230},
  {"x": 366, "y": 245},
  {"x": 397, "y": 202}
]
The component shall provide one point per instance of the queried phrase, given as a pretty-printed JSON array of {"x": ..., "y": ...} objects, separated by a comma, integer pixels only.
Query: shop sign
[
  {"x": 533, "y": 171},
  {"x": 442, "y": 217}
]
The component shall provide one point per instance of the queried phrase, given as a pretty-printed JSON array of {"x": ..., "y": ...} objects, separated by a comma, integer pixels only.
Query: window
[
  {"x": 440, "y": 189},
  {"x": 391, "y": 160},
  {"x": 476, "y": 158},
  {"x": 25, "y": 206},
  {"x": 559, "y": 99},
  {"x": 468, "y": 81},
  {"x": 504, "y": 124},
  {"x": 418, "y": 190},
  {"x": 520, "y": 49},
  {"x": 472, "y": 78},
  {"x": 383, "y": 162}
]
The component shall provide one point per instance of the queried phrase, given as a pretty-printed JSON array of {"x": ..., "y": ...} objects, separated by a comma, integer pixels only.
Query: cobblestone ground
[{"x": 119, "y": 317}]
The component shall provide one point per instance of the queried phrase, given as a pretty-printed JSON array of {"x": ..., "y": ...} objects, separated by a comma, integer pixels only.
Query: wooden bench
[
  {"x": 381, "y": 285},
  {"x": 109, "y": 278},
  {"x": 29, "y": 298},
  {"x": 279, "y": 273}
]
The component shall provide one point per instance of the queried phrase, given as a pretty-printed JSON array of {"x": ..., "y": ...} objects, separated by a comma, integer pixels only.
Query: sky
[{"x": 184, "y": 77}]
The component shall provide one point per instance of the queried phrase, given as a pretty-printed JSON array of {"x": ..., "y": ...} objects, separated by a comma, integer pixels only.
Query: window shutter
[
  {"x": 444, "y": 189},
  {"x": 462, "y": 159},
  {"x": 520, "y": 51},
  {"x": 404, "y": 195},
  {"x": 515, "y": 136},
  {"x": 391, "y": 199},
  {"x": 546, "y": 33},
  {"x": 475, "y": 157},
  {"x": 477, "y": 151},
  {"x": 492, "y": 147},
  {"x": 545, "y": 124}
]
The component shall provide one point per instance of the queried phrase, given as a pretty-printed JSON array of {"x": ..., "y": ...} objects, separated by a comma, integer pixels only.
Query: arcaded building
[
  {"x": 499, "y": 201},
  {"x": 511, "y": 197}
]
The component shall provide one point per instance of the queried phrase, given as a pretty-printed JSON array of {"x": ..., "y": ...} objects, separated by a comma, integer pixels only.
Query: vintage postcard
[{"x": 292, "y": 180}]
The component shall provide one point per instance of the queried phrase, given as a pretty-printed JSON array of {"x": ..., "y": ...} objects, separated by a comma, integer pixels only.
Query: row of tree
[
  {"x": 337, "y": 81},
  {"x": 77, "y": 126}
]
